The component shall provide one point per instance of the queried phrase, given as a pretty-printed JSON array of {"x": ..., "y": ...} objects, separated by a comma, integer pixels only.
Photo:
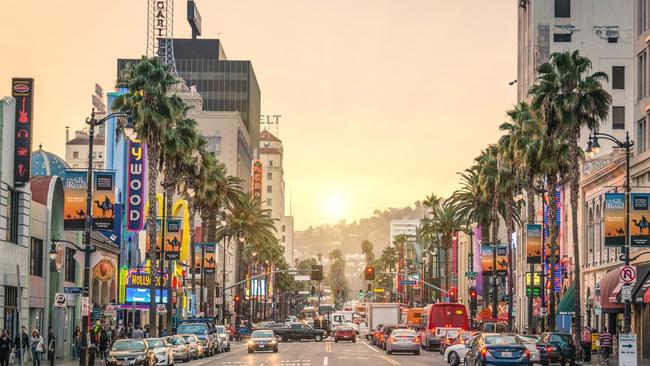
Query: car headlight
[
  {"x": 272, "y": 342},
  {"x": 251, "y": 343},
  {"x": 141, "y": 358}
]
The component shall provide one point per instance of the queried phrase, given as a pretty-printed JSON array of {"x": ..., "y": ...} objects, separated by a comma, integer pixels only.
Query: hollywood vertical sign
[{"x": 135, "y": 191}]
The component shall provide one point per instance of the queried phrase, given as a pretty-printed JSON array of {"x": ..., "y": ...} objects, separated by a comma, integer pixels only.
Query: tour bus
[{"x": 437, "y": 319}]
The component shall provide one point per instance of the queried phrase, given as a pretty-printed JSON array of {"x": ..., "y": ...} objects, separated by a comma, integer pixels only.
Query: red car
[{"x": 345, "y": 334}]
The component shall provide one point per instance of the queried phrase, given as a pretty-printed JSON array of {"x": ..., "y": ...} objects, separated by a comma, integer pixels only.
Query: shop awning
[
  {"x": 567, "y": 304},
  {"x": 646, "y": 296},
  {"x": 609, "y": 288},
  {"x": 642, "y": 283}
]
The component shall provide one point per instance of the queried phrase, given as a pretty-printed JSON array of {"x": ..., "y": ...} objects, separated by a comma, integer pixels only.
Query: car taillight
[
  {"x": 527, "y": 353},
  {"x": 548, "y": 349},
  {"x": 462, "y": 341},
  {"x": 484, "y": 352}
]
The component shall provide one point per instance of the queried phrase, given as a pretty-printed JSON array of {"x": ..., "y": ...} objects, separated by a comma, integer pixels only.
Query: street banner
[
  {"x": 74, "y": 202},
  {"x": 136, "y": 186},
  {"x": 173, "y": 236},
  {"x": 197, "y": 257},
  {"x": 533, "y": 243},
  {"x": 614, "y": 217},
  {"x": 22, "y": 90},
  {"x": 487, "y": 259},
  {"x": 639, "y": 224},
  {"x": 558, "y": 224},
  {"x": 502, "y": 259},
  {"x": 210, "y": 259},
  {"x": 157, "y": 241},
  {"x": 103, "y": 202},
  {"x": 256, "y": 179}
]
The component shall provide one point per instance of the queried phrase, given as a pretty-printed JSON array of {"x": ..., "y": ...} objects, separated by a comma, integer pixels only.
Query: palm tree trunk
[
  {"x": 192, "y": 212},
  {"x": 495, "y": 234},
  {"x": 530, "y": 196},
  {"x": 152, "y": 172},
  {"x": 553, "y": 232},
  {"x": 575, "y": 177},
  {"x": 510, "y": 229}
]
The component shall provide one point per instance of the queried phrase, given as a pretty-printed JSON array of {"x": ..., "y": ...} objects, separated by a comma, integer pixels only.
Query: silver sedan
[{"x": 403, "y": 340}]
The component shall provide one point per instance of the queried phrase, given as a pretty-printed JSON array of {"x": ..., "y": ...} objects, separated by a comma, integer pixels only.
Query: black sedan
[
  {"x": 262, "y": 340},
  {"x": 131, "y": 352},
  {"x": 559, "y": 347}
]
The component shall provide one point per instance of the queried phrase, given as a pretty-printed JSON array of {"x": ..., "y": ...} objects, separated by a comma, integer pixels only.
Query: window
[
  {"x": 269, "y": 176},
  {"x": 641, "y": 133},
  {"x": 612, "y": 39},
  {"x": 214, "y": 144},
  {"x": 618, "y": 118},
  {"x": 75, "y": 154},
  {"x": 269, "y": 189},
  {"x": 284, "y": 228},
  {"x": 562, "y": 37},
  {"x": 563, "y": 8},
  {"x": 270, "y": 163},
  {"x": 12, "y": 216},
  {"x": 642, "y": 64},
  {"x": 618, "y": 77},
  {"x": 70, "y": 265},
  {"x": 36, "y": 264},
  {"x": 268, "y": 203},
  {"x": 642, "y": 12},
  {"x": 283, "y": 239}
]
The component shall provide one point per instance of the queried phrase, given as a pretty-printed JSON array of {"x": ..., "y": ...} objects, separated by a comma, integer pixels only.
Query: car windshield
[
  {"x": 561, "y": 338},
  {"x": 499, "y": 340},
  {"x": 176, "y": 341},
  {"x": 195, "y": 328},
  {"x": 466, "y": 335},
  {"x": 342, "y": 329},
  {"x": 529, "y": 338},
  {"x": 129, "y": 345},
  {"x": 156, "y": 342},
  {"x": 404, "y": 333},
  {"x": 262, "y": 334},
  {"x": 188, "y": 338}
]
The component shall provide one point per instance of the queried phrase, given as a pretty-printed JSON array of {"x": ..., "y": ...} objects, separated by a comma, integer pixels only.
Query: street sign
[
  {"x": 627, "y": 274},
  {"x": 626, "y": 293},
  {"x": 85, "y": 306},
  {"x": 73, "y": 290},
  {"x": 378, "y": 290},
  {"x": 542, "y": 311},
  {"x": 598, "y": 309},
  {"x": 407, "y": 282},
  {"x": 303, "y": 292},
  {"x": 301, "y": 278},
  {"x": 161, "y": 308},
  {"x": 627, "y": 349},
  {"x": 59, "y": 301},
  {"x": 471, "y": 274}
]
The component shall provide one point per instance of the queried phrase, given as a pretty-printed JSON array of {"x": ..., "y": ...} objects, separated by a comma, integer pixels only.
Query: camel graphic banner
[
  {"x": 75, "y": 183},
  {"x": 173, "y": 237},
  {"x": 614, "y": 218},
  {"x": 210, "y": 259},
  {"x": 533, "y": 243},
  {"x": 639, "y": 224},
  {"x": 487, "y": 259},
  {"x": 103, "y": 202}
]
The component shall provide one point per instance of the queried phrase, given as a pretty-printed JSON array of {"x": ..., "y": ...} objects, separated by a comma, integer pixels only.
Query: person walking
[
  {"x": 21, "y": 343},
  {"x": 605, "y": 343},
  {"x": 37, "y": 347},
  {"x": 586, "y": 344},
  {"x": 51, "y": 346},
  {"x": 76, "y": 343},
  {"x": 138, "y": 333},
  {"x": 103, "y": 342},
  {"x": 5, "y": 348}
]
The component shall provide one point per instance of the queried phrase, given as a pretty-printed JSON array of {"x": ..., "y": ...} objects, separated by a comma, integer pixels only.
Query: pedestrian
[
  {"x": 103, "y": 342},
  {"x": 51, "y": 346},
  {"x": 37, "y": 347},
  {"x": 605, "y": 343},
  {"x": 138, "y": 333},
  {"x": 21, "y": 343},
  {"x": 5, "y": 348},
  {"x": 146, "y": 331},
  {"x": 76, "y": 343},
  {"x": 163, "y": 333},
  {"x": 586, "y": 344}
]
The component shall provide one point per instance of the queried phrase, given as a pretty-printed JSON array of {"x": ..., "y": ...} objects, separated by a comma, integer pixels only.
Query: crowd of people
[{"x": 12, "y": 351}]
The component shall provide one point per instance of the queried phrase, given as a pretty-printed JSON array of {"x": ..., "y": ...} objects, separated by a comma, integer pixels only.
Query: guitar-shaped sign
[{"x": 22, "y": 117}]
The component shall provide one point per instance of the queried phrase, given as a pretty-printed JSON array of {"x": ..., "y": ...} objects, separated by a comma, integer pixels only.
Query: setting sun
[{"x": 334, "y": 207}]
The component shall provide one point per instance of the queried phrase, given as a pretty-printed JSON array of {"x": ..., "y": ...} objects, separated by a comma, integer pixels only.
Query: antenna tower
[{"x": 160, "y": 32}]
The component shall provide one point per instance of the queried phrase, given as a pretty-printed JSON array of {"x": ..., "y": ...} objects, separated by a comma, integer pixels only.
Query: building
[
  {"x": 290, "y": 252},
  {"x": 404, "y": 227},
  {"x": 76, "y": 149}
]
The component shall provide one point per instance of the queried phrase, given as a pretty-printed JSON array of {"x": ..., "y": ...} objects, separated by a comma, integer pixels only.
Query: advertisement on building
[
  {"x": 103, "y": 201},
  {"x": 136, "y": 186},
  {"x": 23, "y": 91},
  {"x": 614, "y": 217},
  {"x": 639, "y": 224},
  {"x": 197, "y": 257},
  {"x": 173, "y": 237},
  {"x": 256, "y": 180},
  {"x": 533, "y": 243},
  {"x": 74, "y": 202}
]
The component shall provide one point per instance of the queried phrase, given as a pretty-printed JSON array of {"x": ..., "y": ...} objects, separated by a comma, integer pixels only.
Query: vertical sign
[
  {"x": 173, "y": 236},
  {"x": 210, "y": 260},
  {"x": 639, "y": 224},
  {"x": 627, "y": 352},
  {"x": 157, "y": 241},
  {"x": 22, "y": 89},
  {"x": 103, "y": 201},
  {"x": 558, "y": 224},
  {"x": 614, "y": 214},
  {"x": 74, "y": 207},
  {"x": 486, "y": 260},
  {"x": 135, "y": 192},
  {"x": 533, "y": 243},
  {"x": 197, "y": 258},
  {"x": 502, "y": 259},
  {"x": 256, "y": 180}
]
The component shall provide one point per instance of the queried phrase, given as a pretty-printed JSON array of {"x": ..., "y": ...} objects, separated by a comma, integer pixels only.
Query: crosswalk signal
[
  {"x": 452, "y": 294},
  {"x": 370, "y": 273}
]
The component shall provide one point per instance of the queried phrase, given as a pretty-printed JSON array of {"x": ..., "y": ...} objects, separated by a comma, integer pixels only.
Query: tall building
[{"x": 76, "y": 150}]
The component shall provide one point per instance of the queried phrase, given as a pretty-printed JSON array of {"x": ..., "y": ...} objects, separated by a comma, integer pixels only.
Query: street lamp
[{"x": 593, "y": 148}]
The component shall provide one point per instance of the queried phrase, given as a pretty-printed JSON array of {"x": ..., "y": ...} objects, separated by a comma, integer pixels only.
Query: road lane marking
[
  {"x": 391, "y": 361},
  {"x": 371, "y": 348},
  {"x": 325, "y": 361}
]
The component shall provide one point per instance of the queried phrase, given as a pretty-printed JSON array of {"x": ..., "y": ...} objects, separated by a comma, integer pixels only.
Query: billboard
[
  {"x": 210, "y": 258},
  {"x": 103, "y": 203},
  {"x": 533, "y": 243},
  {"x": 157, "y": 241},
  {"x": 142, "y": 295},
  {"x": 614, "y": 217},
  {"x": 173, "y": 237},
  {"x": 74, "y": 203},
  {"x": 487, "y": 259},
  {"x": 136, "y": 186},
  {"x": 22, "y": 89},
  {"x": 639, "y": 224}
]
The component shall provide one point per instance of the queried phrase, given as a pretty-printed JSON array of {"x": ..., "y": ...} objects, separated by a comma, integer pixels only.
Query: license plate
[
  {"x": 262, "y": 346},
  {"x": 506, "y": 354}
]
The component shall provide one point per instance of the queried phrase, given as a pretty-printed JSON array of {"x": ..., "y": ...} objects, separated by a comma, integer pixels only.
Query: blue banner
[{"x": 136, "y": 185}]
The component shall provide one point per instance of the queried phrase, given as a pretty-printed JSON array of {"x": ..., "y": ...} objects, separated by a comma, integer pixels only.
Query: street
[{"x": 326, "y": 353}]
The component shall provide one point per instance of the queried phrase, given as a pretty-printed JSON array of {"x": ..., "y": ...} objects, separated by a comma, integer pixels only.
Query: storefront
[
  {"x": 641, "y": 310},
  {"x": 612, "y": 310}
]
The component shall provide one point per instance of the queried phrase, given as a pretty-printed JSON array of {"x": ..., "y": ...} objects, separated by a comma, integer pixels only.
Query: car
[
  {"x": 494, "y": 327},
  {"x": 386, "y": 332},
  {"x": 162, "y": 350},
  {"x": 449, "y": 339},
  {"x": 455, "y": 354},
  {"x": 263, "y": 340},
  {"x": 439, "y": 337},
  {"x": 559, "y": 348},
  {"x": 180, "y": 349},
  {"x": 232, "y": 333},
  {"x": 403, "y": 340},
  {"x": 131, "y": 352},
  {"x": 345, "y": 334},
  {"x": 222, "y": 333},
  {"x": 373, "y": 335},
  {"x": 497, "y": 349},
  {"x": 204, "y": 329},
  {"x": 530, "y": 341},
  {"x": 195, "y": 345},
  {"x": 298, "y": 331}
]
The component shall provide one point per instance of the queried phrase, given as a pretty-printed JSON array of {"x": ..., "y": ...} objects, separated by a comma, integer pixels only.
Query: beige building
[{"x": 76, "y": 149}]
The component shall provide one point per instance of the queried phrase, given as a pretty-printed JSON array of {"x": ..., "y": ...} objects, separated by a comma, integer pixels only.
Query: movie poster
[
  {"x": 639, "y": 224},
  {"x": 74, "y": 206},
  {"x": 173, "y": 238},
  {"x": 533, "y": 243},
  {"x": 210, "y": 259},
  {"x": 157, "y": 243},
  {"x": 614, "y": 218},
  {"x": 103, "y": 203}
]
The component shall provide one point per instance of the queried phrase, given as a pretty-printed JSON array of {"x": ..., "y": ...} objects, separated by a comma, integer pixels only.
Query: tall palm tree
[
  {"x": 367, "y": 250},
  {"x": 149, "y": 82}
]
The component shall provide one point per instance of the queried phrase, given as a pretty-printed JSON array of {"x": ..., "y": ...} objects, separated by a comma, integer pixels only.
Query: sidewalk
[{"x": 613, "y": 361}]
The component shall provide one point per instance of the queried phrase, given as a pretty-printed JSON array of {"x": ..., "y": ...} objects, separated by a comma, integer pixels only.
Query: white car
[
  {"x": 162, "y": 350},
  {"x": 224, "y": 339},
  {"x": 455, "y": 354}
]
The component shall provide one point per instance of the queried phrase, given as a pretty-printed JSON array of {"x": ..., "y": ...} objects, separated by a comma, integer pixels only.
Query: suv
[
  {"x": 224, "y": 339},
  {"x": 559, "y": 347},
  {"x": 204, "y": 329}
]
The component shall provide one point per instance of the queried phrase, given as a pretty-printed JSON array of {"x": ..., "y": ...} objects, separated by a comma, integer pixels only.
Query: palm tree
[
  {"x": 153, "y": 111},
  {"x": 367, "y": 250}
]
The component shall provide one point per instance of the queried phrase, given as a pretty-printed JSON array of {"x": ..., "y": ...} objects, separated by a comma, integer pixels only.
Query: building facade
[{"x": 76, "y": 149}]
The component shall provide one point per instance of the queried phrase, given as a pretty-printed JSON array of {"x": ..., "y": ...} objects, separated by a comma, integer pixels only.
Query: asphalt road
[{"x": 326, "y": 353}]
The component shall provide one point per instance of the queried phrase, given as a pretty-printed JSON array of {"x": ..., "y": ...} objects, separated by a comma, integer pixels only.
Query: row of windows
[
  {"x": 96, "y": 154},
  {"x": 566, "y": 37}
]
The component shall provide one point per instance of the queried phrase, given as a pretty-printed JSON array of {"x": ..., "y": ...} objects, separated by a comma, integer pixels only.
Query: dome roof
[{"x": 47, "y": 164}]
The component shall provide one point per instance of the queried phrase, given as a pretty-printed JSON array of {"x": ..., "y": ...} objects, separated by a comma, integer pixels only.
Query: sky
[{"x": 383, "y": 101}]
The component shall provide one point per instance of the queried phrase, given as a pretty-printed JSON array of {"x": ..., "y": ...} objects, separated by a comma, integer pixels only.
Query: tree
[
  {"x": 336, "y": 277},
  {"x": 367, "y": 250},
  {"x": 149, "y": 82}
]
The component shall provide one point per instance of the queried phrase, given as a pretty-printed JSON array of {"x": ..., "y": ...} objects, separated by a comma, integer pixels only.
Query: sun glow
[{"x": 334, "y": 207}]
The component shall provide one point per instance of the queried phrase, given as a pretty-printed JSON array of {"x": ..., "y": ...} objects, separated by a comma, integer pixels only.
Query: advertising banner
[
  {"x": 136, "y": 186},
  {"x": 197, "y": 257},
  {"x": 173, "y": 237},
  {"x": 502, "y": 259},
  {"x": 23, "y": 91},
  {"x": 639, "y": 224},
  {"x": 210, "y": 258},
  {"x": 74, "y": 202},
  {"x": 614, "y": 217},
  {"x": 533, "y": 243},
  {"x": 487, "y": 260},
  {"x": 103, "y": 201},
  {"x": 157, "y": 241},
  {"x": 256, "y": 181}
]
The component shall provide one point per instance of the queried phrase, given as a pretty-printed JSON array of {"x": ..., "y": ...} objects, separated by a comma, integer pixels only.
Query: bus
[
  {"x": 437, "y": 319},
  {"x": 413, "y": 316}
]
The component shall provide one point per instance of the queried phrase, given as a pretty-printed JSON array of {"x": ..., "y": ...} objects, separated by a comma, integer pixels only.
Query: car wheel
[
  {"x": 275, "y": 350},
  {"x": 250, "y": 351},
  {"x": 453, "y": 359},
  {"x": 336, "y": 341},
  {"x": 389, "y": 352},
  {"x": 417, "y": 353},
  {"x": 318, "y": 338},
  {"x": 354, "y": 341}
]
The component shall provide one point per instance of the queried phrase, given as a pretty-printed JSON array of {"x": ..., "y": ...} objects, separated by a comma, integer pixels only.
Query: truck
[
  {"x": 382, "y": 313},
  {"x": 298, "y": 331}
]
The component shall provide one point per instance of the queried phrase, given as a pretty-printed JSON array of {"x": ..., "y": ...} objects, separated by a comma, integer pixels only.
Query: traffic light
[
  {"x": 237, "y": 298},
  {"x": 452, "y": 294},
  {"x": 473, "y": 297},
  {"x": 316, "y": 272},
  {"x": 361, "y": 294},
  {"x": 370, "y": 273}
]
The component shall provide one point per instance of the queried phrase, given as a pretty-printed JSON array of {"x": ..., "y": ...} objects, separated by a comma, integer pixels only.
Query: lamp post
[{"x": 593, "y": 147}]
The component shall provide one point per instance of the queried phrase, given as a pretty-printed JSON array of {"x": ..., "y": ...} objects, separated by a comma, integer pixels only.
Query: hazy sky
[{"x": 383, "y": 101}]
